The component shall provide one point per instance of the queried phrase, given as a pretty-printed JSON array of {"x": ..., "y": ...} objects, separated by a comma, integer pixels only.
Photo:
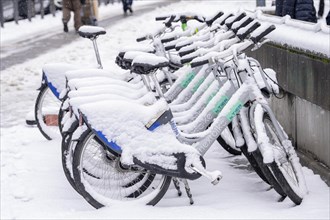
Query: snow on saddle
[
  {"x": 148, "y": 63},
  {"x": 91, "y": 32}
]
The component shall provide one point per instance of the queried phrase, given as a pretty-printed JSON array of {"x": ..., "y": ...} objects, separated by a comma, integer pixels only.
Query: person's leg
[
  {"x": 129, "y": 3},
  {"x": 124, "y": 5},
  {"x": 327, "y": 19},
  {"x": 77, "y": 17},
  {"x": 66, "y": 14},
  {"x": 279, "y": 7}
]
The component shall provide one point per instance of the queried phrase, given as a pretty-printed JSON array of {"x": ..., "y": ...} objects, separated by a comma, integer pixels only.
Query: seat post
[
  {"x": 156, "y": 83},
  {"x": 146, "y": 83},
  {"x": 97, "y": 54}
]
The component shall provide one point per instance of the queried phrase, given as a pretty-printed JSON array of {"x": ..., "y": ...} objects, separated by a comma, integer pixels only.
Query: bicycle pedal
[{"x": 213, "y": 176}]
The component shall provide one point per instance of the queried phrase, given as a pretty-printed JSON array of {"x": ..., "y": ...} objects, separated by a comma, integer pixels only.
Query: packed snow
[{"x": 33, "y": 185}]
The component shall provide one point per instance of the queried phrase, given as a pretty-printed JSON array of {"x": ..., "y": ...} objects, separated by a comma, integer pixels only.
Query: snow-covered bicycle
[{"x": 179, "y": 162}]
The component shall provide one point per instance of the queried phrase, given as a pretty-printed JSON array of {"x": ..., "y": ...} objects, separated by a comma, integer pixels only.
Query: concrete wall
[
  {"x": 304, "y": 111},
  {"x": 307, "y": 124}
]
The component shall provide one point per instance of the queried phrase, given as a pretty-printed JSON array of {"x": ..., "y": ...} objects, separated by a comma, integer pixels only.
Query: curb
[{"x": 306, "y": 159}]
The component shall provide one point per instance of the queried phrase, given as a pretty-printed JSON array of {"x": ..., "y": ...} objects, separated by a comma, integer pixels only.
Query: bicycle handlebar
[
  {"x": 199, "y": 63},
  {"x": 182, "y": 18},
  {"x": 239, "y": 17},
  {"x": 168, "y": 23},
  {"x": 243, "y": 24},
  {"x": 234, "y": 49},
  {"x": 224, "y": 20},
  {"x": 183, "y": 45},
  {"x": 259, "y": 36},
  {"x": 210, "y": 22},
  {"x": 169, "y": 47},
  {"x": 161, "y": 18},
  {"x": 141, "y": 39},
  {"x": 187, "y": 60},
  {"x": 248, "y": 31},
  {"x": 183, "y": 53},
  {"x": 166, "y": 40}
]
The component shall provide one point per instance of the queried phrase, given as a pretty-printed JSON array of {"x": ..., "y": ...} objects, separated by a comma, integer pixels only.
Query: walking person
[
  {"x": 67, "y": 7},
  {"x": 127, "y": 6},
  {"x": 297, "y": 9}
]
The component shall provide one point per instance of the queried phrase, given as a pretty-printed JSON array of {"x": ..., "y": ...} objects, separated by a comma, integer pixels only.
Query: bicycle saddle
[
  {"x": 148, "y": 63},
  {"x": 127, "y": 58},
  {"x": 91, "y": 32}
]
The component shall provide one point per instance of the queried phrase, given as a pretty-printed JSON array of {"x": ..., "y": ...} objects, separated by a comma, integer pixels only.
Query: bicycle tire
[
  {"x": 272, "y": 180},
  {"x": 61, "y": 114},
  {"x": 46, "y": 99},
  {"x": 134, "y": 186},
  {"x": 226, "y": 146},
  {"x": 249, "y": 156},
  {"x": 287, "y": 169},
  {"x": 67, "y": 148}
]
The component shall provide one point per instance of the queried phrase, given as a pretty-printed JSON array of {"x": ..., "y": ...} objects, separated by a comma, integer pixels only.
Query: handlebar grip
[
  {"x": 249, "y": 20},
  {"x": 252, "y": 28},
  {"x": 199, "y": 63},
  {"x": 256, "y": 39},
  {"x": 242, "y": 15},
  {"x": 224, "y": 20},
  {"x": 161, "y": 18},
  {"x": 169, "y": 47},
  {"x": 210, "y": 22},
  {"x": 183, "y": 53},
  {"x": 187, "y": 60},
  {"x": 141, "y": 39},
  {"x": 166, "y": 40},
  {"x": 179, "y": 47}
]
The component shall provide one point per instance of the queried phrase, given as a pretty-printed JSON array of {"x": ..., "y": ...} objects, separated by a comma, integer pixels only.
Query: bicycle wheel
[
  {"x": 61, "y": 114},
  {"x": 46, "y": 113},
  {"x": 286, "y": 166},
  {"x": 228, "y": 147},
  {"x": 267, "y": 172},
  {"x": 67, "y": 148},
  {"x": 249, "y": 156},
  {"x": 101, "y": 179}
]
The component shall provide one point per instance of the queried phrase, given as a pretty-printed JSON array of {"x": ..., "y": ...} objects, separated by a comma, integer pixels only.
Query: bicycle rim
[{"x": 102, "y": 180}]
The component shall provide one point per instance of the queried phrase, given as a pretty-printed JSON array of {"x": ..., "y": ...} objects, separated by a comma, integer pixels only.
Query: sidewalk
[{"x": 41, "y": 35}]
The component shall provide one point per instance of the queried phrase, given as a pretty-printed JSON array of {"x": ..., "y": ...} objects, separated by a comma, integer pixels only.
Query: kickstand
[
  {"x": 186, "y": 186},
  {"x": 177, "y": 186}
]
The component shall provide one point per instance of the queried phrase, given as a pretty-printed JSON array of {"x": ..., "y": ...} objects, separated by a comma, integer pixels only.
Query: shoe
[
  {"x": 130, "y": 8},
  {"x": 66, "y": 29}
]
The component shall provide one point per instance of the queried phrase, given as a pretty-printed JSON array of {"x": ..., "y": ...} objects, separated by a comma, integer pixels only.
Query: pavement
[{"x": 39, "y": 44}]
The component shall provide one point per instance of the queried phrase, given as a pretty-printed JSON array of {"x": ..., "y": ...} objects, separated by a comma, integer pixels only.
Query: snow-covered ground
[{"x": 33, "y": 185}]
